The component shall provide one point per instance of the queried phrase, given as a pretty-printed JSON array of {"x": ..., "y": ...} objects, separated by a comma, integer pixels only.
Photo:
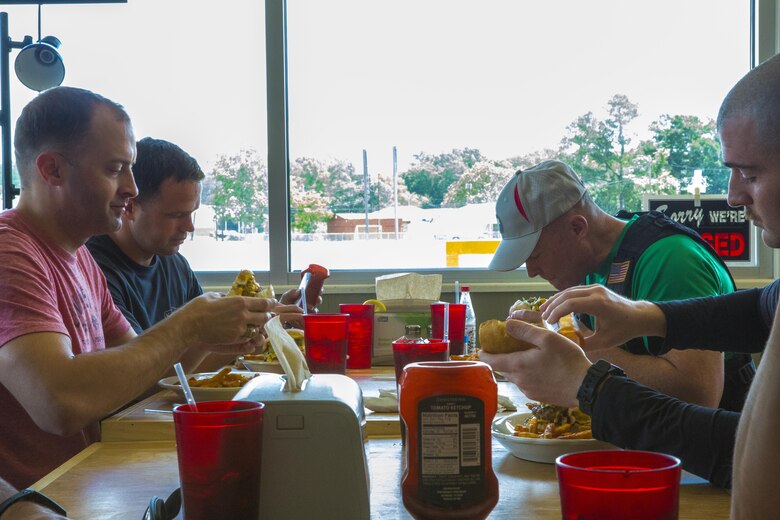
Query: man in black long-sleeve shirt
[
  {"x": 634, "y": 416},
  {"x": 630, "y": 415}
]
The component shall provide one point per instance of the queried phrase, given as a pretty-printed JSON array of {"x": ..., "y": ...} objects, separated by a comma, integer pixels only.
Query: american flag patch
[{"x": 618, "y": 272}]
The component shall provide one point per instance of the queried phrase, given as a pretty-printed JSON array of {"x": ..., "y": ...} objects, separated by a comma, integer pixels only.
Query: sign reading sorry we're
[{"x": 725, "y": 228}]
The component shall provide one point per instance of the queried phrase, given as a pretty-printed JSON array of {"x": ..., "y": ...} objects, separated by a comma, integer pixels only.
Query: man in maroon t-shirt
[{"x": 74, "y": 150}]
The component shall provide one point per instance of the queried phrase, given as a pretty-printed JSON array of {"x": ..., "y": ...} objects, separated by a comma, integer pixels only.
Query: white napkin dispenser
[{"x": 314, "y": 455}]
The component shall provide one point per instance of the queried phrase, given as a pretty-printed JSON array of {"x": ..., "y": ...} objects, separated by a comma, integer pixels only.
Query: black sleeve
[
  {"x": 633, "y": 416},
  {"x": 116, "y": 288},
  {"x": 729, "y": 323}
]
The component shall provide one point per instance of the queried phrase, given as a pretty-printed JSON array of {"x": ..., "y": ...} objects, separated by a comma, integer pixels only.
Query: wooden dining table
[{"x": 115, "y": 478}]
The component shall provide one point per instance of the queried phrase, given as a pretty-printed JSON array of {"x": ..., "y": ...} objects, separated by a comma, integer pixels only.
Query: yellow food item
[
  {"x": 494, "y": 339},
  {"x": 569, "y": 326},
  {"x": 554, "y": 422},
  {"x": 225, "y": 378},
  {"x": 378, "y": 306},
  {"x": 269, "y": 354},
  {"x": 474, "y": 356},
  {"x": 246, "y": 285},
  {"x": 527, "y": 304}
]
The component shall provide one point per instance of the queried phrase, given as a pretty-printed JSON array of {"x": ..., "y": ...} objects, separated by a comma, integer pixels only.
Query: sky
[{"x": 504, "y": 76}]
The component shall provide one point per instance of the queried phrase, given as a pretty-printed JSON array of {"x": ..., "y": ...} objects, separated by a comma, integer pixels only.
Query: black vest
[
  {"x": 646, "y": 230},
  {"x": 649, "y": 228}
]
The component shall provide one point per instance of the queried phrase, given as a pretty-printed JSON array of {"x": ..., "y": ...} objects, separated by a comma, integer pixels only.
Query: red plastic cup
[
  {"x": 456, "y": 328},
  {"x": 360, "y": 334},
  {"x": 219, "y": 448},
  {"x": 405, "y": 352},
  {"x": 618, "y": 484},
  {"x": 326, "y": 342}
]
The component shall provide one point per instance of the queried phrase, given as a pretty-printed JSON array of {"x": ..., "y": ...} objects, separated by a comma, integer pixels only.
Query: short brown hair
[{"x": 58, "y": 118}]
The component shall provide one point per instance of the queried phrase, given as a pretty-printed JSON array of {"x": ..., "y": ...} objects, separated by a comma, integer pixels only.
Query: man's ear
[
  {"x": 49, "y": 167},
  {"x": 578, "y": 225}
]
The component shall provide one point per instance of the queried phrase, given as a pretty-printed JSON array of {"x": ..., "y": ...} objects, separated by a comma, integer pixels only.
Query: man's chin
[{"x": 770, "y": 239}]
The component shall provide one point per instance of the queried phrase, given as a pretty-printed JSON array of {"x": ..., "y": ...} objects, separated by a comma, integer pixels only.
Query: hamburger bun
[{"x": 494, "y": 340}]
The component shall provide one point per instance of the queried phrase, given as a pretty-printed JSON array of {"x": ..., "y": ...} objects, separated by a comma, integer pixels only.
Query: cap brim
[{"x": 512, "y": 253}]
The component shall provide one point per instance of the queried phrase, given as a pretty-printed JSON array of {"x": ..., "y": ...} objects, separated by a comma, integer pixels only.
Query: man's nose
[
  {"x": 737, "y": 195},
  {"x": 531, "y": 268},
  {"x": 128, "y": 187},
  {"x": 188, "y": 223}
]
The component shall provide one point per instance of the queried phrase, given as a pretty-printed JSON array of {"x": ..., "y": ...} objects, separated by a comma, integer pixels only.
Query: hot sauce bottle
[
  {"x": 447, "y": 409},
  {"x": 312, "y": 278}
]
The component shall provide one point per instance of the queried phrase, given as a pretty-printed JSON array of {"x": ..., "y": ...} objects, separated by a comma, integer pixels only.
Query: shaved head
[{"x": 757, "y": 97}]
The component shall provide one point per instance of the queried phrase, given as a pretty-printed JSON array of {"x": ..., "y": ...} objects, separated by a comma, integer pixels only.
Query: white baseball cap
[{"x": 530, "y": 200}]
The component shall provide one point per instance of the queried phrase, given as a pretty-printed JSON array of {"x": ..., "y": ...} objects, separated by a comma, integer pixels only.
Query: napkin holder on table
[
  {"x": 407, "y": 298},
  {"x": 314, "y": 455}
]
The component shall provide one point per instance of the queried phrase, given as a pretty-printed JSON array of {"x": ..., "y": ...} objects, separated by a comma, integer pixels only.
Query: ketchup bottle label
[{"x": 451, "y": 457}]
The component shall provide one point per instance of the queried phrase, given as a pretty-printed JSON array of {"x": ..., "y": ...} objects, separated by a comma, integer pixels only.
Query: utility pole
[
  {"x": 365, "y": 188},
  {"x": 395, "y": 192}
]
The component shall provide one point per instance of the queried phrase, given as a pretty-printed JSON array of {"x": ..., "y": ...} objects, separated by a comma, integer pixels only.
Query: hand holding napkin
[{"x": 289, "y": 355}]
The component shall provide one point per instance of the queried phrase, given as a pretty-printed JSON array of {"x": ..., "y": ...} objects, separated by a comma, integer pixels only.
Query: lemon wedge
[{"x": 378, "y": 306}]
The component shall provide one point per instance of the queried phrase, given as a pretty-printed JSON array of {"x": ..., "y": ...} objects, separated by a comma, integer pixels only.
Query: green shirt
[{"x": 673, "y": 268}]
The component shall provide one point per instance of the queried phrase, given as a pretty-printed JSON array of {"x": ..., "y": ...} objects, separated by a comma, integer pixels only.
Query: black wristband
[
  {"x": 597, "y": 373},
  {"x": 30, "y": 495}
]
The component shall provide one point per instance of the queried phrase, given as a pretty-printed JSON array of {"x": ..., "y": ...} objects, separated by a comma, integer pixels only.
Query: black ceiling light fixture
[{"x": 38, "y": 66}]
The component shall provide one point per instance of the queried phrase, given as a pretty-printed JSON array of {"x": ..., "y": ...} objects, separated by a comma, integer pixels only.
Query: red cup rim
[
  {"x": 672, "y": 462},
  {"x": 447, "y": 364},
  {"x": 325, "y": 315},
  {"x": 242, "y": 407}
]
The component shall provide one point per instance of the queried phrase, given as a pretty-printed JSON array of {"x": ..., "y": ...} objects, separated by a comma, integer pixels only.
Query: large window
[
  {"x": 189, "y": 72},
  {"x": 393, "y": 124},
  {"x": 463, "y": 93}
]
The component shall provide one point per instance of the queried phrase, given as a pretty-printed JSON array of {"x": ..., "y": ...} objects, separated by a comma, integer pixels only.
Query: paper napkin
[{"x": 289, "y": 355}]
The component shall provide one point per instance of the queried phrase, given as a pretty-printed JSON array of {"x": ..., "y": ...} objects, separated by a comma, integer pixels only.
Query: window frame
[{"x": 765, "y": 42}]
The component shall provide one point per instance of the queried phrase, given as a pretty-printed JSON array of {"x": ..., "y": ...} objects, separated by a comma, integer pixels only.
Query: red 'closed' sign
[{"x": 725, "y": 228}]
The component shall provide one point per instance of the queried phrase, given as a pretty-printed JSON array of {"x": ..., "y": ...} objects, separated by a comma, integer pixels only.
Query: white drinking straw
[
  {"x": 303, "y": 300},
  {"x": 446, "y": 321},
  {"x": 185, "y": 386},
  {"x": 457, "y": 291}
]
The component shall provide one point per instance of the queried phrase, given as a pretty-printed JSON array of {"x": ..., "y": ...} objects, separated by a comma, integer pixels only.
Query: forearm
[
  {"x": 731, "y": 323},
  {"x": 63, "y": 393},
  {"x": 692, "y": 376},
  {"x": 23, "y": 510},
  {"x": 757, "y": 457},
  {"x": 630, "y": 415}
]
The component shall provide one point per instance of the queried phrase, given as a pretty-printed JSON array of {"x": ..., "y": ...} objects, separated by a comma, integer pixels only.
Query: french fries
[
  {"x": 225, "y": 378},
  {"x": 558, "y": 423}
]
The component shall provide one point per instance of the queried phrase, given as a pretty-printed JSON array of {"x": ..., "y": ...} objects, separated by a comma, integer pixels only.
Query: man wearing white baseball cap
[{"x": 549, "y": 223}]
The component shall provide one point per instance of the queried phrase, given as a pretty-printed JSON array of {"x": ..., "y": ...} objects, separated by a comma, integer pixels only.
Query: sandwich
[
  {"x": 494, "y": 339},
  {"x": 246, "y": 285},
  {"x": 269, "y": 354}
]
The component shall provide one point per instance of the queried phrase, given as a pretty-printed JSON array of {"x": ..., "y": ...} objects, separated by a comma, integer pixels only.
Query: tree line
[{"x": 616, "y": 170}]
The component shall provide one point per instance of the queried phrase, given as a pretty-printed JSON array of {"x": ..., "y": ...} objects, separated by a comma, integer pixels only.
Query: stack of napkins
[{"x": 289, "y": 355}]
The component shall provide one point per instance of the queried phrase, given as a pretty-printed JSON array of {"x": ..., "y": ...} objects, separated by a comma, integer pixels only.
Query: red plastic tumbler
[
  {"x": 360, "y": 334},
  {"x": 219, "y": 446},
  {"x": 457, "y": 325},
  {"x": 325, "y": 336},
  {"x": 618, "y": 484}
]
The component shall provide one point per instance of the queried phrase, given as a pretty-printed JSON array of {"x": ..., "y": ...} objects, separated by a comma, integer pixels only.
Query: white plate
[
  {"x": 538, "y": 450},
  {"x": 262, "y": 366},
  {"x": 202, "y": 393}
]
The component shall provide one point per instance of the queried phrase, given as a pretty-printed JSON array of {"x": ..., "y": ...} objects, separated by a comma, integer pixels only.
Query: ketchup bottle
[
  {"x": 316, "y": 277},
  {"x": 447, "y": 408}
]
